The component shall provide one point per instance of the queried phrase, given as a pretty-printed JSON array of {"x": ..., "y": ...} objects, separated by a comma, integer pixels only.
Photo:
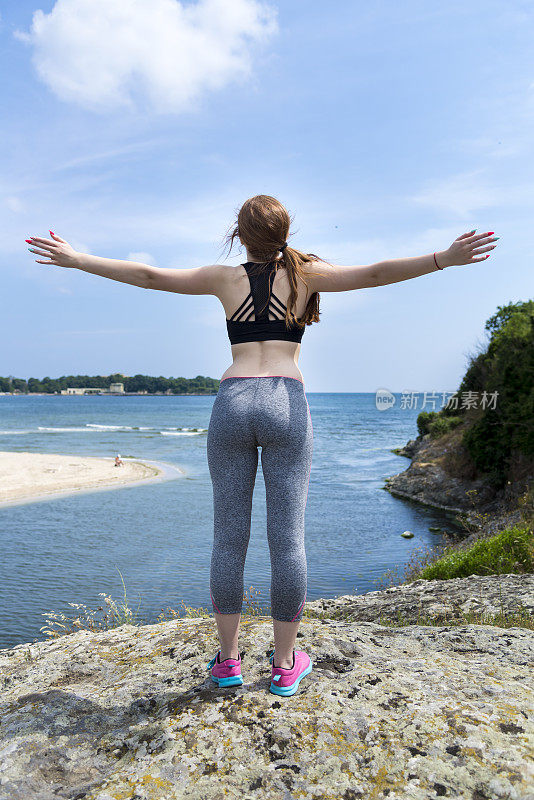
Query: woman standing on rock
[{"x": 262, "y": 402}]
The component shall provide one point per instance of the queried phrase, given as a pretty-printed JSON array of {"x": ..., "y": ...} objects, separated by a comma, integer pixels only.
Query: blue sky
[{"x": 136, "y": 130}]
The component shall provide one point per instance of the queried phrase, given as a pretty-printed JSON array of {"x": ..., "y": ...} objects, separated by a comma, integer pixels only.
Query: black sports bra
[{"x": 251, "y": 323}]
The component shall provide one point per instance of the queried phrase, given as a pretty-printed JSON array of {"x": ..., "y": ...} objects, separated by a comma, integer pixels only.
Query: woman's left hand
[{"x": 60, "y": 253}]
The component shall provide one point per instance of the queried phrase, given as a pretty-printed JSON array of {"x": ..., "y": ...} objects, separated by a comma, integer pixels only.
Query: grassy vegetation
[
  {"x": 114, "y": 614},
  {"x": 511, "y": 551}
]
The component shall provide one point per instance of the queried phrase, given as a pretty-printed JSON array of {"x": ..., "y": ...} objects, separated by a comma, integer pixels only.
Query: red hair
[{"x": 263, "y": 227}]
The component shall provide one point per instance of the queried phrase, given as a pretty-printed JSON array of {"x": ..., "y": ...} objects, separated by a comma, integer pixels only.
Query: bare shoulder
[
  {"x": 227, "y": 275},
  {"x": 313, "y": 271},
  {"x": 227, "y": 272}
]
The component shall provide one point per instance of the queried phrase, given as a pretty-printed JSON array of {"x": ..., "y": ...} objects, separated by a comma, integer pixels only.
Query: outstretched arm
[
  {"x": 466, "y": 249},
  {"x": 199, "y": 280}
]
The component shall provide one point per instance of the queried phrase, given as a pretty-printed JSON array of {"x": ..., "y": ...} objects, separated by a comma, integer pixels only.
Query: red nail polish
[
  {"x": 52, "y": 232},
  {"x": 490, "y": 233},
  {"x": 29, "y": 241}
]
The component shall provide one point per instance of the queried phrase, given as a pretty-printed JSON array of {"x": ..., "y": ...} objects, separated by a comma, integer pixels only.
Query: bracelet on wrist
[{"x": 436, "y": 263}]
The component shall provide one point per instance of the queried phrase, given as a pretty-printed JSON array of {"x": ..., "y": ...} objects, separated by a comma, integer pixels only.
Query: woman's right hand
[{"x": 467, "y": 249}]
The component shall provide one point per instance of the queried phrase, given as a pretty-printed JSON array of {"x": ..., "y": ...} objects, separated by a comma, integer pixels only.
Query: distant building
[
  {"x": 115, "y": 388},
  {"x": 81, "y": 390}
]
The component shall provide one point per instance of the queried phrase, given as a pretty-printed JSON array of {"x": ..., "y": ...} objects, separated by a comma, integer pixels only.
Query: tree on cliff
[{"x": 499, "y": 437}]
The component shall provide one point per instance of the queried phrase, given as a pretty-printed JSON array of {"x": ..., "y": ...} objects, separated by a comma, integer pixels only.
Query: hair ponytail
[
  {"x": 262, "y": 225},
  {"x": 294, "y": 260}
]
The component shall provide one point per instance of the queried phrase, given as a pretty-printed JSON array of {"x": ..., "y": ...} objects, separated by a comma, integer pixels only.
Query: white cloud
[
  {"x": 466, "y": 195},
  {"x": 143, "y": 258},
  {"x": 102, "y": 53},
  {"x": 460, "y": 194}
]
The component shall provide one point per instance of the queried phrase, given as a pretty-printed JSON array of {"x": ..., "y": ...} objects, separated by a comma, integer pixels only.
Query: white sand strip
[{"x": 29, "y": 477}]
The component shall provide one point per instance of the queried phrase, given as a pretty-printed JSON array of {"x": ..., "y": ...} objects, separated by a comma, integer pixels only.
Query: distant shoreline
[{"x": 30, "y": 477}]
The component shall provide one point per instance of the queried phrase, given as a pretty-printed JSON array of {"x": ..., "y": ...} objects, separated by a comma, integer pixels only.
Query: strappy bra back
[{"x": 250, "y": 322}]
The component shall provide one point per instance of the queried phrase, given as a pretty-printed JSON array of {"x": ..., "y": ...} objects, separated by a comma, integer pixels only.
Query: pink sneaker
[
  {"x": 226, "y": 673},
  {"x": 286, "y": 681}
]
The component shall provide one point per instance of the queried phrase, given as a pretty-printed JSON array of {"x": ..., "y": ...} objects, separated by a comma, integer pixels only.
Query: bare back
[{"x": 268, "y": 357}]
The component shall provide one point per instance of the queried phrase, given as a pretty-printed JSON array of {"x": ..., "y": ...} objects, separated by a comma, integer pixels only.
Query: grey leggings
[{"x": 272, "y": 413}]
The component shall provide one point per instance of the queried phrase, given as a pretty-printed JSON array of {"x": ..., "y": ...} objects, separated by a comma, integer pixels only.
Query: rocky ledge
[
  {"x": 443, "y": 476},
  {"x": 439, "y": 601},
  {"x": 431, "y": 480},
  {"x": 387, "y": 712}
]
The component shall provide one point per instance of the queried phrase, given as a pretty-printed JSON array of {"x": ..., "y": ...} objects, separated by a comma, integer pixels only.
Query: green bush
[
  {"x": 423, "y": 421},
  {"x": 506, "y": 552},
  {"x": 436, "y": 423},
  {"x": 437, "y": 427}
]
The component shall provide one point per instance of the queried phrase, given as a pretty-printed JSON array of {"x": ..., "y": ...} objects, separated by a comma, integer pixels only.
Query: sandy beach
[{"x": 27, "y": 477}]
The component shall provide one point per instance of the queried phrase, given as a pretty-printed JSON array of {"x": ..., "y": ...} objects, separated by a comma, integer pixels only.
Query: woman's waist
[{"x": 250, "y": 368}]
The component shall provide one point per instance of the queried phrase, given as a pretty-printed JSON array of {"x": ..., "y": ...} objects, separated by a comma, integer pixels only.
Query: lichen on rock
[{"x": 396, "y": 712}]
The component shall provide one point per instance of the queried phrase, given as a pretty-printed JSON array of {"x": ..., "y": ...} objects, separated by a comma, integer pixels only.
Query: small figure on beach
[{"x": 118, "y": 460}]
